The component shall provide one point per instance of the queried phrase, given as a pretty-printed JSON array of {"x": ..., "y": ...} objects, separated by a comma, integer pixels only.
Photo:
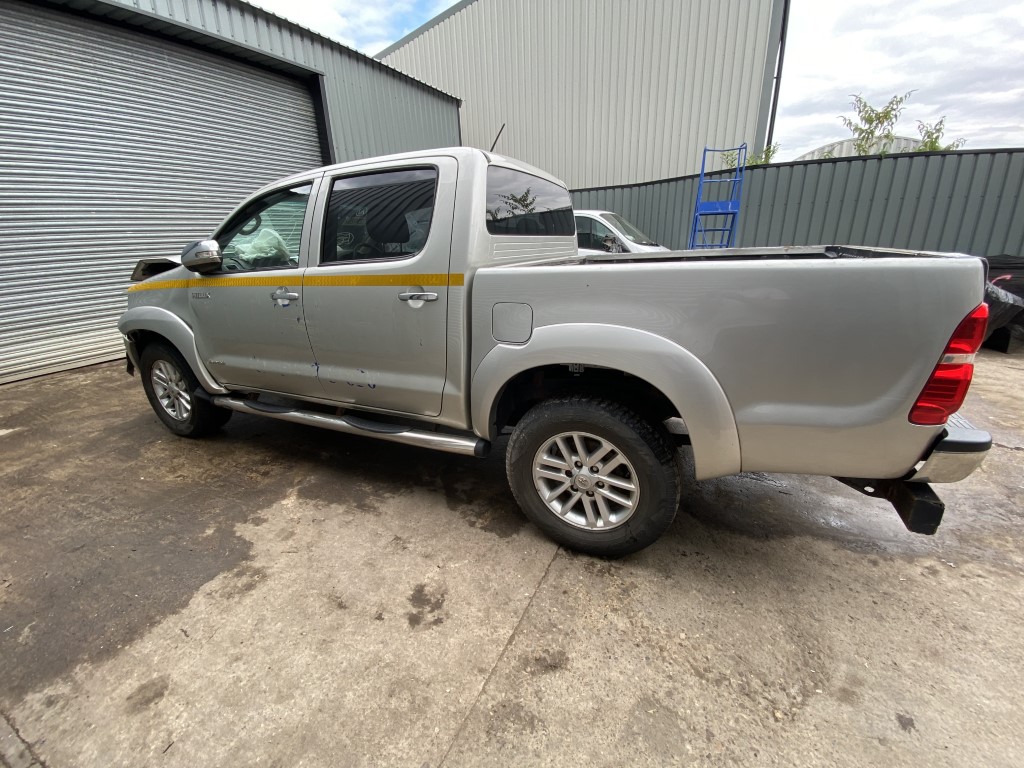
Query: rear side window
[
  {"x": 379, "y": 215},
  {"x": 521, "y": 204}
]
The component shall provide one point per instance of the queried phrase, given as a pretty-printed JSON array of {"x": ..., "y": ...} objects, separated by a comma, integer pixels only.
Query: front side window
[
  {"x": 379, "y": 215},
  {"x": 521, "y": 204},
  {"x": 266, "y": 233},
  {"x": 594, "y": 235}
]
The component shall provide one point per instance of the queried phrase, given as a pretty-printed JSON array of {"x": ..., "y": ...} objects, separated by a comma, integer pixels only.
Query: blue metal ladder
[{"x": 716, "y": 214}]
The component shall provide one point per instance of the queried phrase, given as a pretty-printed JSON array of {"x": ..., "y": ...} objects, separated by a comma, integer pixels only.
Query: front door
[
  {"x": 250, "y": 330},
  {"x": 376, "y": 300}
]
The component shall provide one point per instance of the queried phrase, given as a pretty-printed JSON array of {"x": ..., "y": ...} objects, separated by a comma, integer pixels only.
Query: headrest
[{"x": 387, "y": 226}]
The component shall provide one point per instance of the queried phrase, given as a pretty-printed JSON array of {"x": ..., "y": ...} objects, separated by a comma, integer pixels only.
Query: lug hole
[
  {"x": 590, "y": 493},
  {"x": 568, "y": 473},
  {"x": 579, "y": 464},
  {"x": 593, "y": 470},
  {"x": 600, "y": 485}
]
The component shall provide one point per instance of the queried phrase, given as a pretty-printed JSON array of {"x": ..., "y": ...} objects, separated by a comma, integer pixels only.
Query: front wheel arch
[{"x": 161, "y": 324}]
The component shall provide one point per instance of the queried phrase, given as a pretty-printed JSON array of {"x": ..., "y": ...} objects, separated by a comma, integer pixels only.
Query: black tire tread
[
  {"x": 206, "y": 417},
  {"x": 639, "y": 533}
]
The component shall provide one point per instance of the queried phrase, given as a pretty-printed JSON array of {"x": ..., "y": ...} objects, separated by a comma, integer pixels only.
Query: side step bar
[{"x": 357, "y": 425}]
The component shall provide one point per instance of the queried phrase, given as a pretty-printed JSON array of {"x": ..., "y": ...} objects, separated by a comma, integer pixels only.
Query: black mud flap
[{"x": 918, "y": 506}]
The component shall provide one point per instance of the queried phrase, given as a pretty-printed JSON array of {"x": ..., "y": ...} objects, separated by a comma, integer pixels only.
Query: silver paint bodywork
[
  {"x": 818, "y": 361},
  {"x": 782, "y": 360}
]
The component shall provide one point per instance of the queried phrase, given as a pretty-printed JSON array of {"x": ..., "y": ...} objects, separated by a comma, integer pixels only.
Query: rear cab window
[{"x": 521, "y": 204}]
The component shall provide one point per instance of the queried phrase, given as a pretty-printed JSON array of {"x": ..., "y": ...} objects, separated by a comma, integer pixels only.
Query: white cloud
[
  {"x": 965, "y": 58},
  {"x": 366, "y": 26}
]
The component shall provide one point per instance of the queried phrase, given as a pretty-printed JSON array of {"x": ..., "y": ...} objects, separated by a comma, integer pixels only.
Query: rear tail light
[{"x": 947, "y": 387}]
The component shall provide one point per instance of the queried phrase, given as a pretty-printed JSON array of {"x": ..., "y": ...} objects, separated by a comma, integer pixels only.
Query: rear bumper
[
  {"x": 959, "y": 451},
  {"x": 955, "y": 455}
]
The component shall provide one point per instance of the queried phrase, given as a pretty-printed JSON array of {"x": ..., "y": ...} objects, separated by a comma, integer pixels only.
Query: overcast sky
[{"x": 963, "y": 58}]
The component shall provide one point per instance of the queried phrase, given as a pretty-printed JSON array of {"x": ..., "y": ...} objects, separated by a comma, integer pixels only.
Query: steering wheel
[
  {"x": 251, "y": 225},
  {"x": 232, "y": 262}
]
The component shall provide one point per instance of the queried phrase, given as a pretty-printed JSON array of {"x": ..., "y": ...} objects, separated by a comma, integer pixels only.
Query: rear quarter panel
[{"x": 820, "y": 359}]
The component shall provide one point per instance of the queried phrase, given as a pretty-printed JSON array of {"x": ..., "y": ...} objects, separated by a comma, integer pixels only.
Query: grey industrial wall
[
  {"x": 966, "y": 202},
  {"x": 373, "y": 109},
  {"x": 603, "y": 91},
  {"x": 126, "y": 132}
]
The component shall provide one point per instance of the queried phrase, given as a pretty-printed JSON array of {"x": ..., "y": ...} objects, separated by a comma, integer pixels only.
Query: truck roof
[{"x": 467, "y": 154}]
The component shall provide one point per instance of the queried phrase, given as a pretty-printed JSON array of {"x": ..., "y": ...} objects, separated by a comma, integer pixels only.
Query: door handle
[
  {"x": 282, "y": 297},
  {"x": 417, "y": 296}
]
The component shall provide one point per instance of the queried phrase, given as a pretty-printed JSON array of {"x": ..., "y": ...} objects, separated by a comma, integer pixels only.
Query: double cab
[{"x": 438, "y": 298}]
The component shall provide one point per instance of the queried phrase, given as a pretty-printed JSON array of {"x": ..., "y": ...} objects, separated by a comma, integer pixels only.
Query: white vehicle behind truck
[
  {"x": 599, "y": 232},
  {"x": 438, "y": 299}
]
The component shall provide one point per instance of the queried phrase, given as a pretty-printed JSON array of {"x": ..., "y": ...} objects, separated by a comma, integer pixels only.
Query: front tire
[
  {"x": 593, "y": 475},
  {"x": 175, "y": 393}
]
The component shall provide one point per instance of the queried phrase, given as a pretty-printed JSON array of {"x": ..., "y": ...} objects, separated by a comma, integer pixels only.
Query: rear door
[{"x": 376, "y": 294}]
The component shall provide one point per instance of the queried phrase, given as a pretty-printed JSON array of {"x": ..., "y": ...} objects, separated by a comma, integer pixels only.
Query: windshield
[{"x": 631, "y": 233}]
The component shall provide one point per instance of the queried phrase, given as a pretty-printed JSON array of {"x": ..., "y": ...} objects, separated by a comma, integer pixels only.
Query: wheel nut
[
  {"x": 579, "y": 464},
  {"x": 600, "y": 485},
  {"x": 593, "y": 470},
  {"x": 590, "y": 493},
  {"x": 568, "y": 473}
]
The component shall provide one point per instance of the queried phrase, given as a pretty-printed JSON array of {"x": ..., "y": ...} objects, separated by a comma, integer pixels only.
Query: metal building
[
  {"x": 603, "y": 92},
  {"x": 127, "y": 132}
]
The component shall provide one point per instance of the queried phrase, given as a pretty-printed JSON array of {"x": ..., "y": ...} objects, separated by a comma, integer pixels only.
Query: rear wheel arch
[
  {"x": 535, "y": 385},
  {"x": 673, "y": 376}
]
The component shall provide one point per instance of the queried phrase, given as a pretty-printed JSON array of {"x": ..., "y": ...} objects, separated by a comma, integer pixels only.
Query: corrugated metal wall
[
  {"x": 116, "y": 146},
  {"x": 124, "y": 133},
  {"x": 603, "y": 91},
  {"x": 373, "y": 109},
  {"x": 966, "y": 202}
]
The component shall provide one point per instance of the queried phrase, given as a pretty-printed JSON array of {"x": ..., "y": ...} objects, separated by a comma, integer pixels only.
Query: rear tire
[
  {"x": 593, "y": 475},
  {"x": 178, "y": 399}
]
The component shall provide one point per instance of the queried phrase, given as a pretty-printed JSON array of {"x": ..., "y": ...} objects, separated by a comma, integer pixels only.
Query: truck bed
[
  {"x": 764, "y": 254},
  {"x": 821, "y": 351}
]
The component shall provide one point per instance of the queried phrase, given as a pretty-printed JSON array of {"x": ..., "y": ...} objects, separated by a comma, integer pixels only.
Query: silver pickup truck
[{"x": 438, "y": 299}]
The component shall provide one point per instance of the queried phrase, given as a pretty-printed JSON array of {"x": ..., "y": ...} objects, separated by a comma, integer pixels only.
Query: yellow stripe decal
[{"x": 441, "y": 278}]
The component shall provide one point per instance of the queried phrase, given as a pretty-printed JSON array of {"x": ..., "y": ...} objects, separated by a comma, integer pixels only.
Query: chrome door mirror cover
[{"x": 201, "y": 256}]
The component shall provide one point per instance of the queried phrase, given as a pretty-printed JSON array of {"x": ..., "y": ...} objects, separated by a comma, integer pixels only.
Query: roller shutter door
[{"x": 117, "y": 145}]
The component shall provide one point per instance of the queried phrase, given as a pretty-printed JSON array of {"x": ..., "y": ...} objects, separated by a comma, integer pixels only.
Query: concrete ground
[{"x": 283, "y": 596}]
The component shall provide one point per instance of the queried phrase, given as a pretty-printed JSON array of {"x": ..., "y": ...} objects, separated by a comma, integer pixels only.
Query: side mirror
[{"x": 201, "y": 256}]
